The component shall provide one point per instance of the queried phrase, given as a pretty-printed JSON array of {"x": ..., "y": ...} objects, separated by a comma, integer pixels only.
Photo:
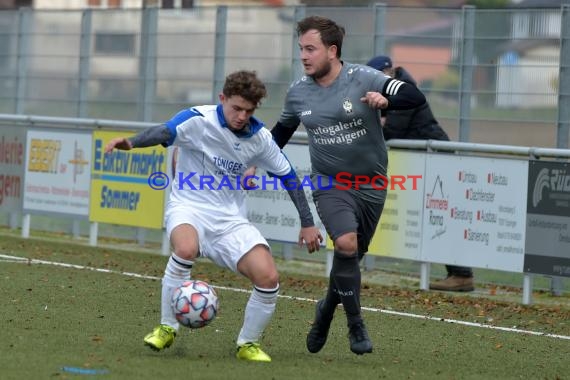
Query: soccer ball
[{"x": 195, "y": 304}]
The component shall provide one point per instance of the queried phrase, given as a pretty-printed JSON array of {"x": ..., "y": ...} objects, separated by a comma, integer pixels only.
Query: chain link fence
[{"x": 491, "y": 76}]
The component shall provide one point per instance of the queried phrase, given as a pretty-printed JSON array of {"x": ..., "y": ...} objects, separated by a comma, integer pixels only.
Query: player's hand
[
  {"x": 249, "y": 172},
  {"x": 375, "y": 100},
  {"x": 121, "y": 143},
  {"x": 311, "y": 237}
]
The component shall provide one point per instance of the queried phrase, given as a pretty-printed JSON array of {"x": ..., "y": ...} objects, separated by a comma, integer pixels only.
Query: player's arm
[
  {"x": 395, "y": 95},
  {"x": 159, "y": 134},
  {"x": 402, "y": 95},
  {"x": 282, "y": 134},
  {"x": 292, "y": 183},
  {"x": 309, "y": 234},
  {"x": 274, "y": 161},
  {"x": 288, "y": 123},
  {"x": 152, "y": 136},
  {"x": 164, "y": 134}
]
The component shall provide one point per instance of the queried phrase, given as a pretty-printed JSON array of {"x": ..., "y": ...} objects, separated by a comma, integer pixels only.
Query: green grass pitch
[{"x": 54, "y": 317}]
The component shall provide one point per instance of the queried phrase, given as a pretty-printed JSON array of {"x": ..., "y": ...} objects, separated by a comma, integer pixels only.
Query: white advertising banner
[
  {"x": 474, "y": 212},
  {"x": 57, "y": 172},
  {"x": 270, "y": 208}
]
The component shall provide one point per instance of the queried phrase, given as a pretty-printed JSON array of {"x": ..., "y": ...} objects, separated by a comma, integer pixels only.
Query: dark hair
[
  {"x": 245, "y": 84},
  {"x": 331, "y": 32}
]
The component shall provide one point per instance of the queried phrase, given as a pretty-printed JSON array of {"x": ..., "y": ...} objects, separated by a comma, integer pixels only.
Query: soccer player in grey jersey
[{"x": 338, "y": 104}]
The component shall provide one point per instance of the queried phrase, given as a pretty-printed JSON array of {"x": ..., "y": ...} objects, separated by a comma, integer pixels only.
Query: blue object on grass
[{"x": 85, "y": 371}]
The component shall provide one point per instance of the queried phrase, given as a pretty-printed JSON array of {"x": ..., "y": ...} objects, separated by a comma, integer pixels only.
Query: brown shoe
[{"x": 454, "y": 284}]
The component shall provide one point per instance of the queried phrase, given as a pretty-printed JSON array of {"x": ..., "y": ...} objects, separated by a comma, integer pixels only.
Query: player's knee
[
  {"x": 346, "y": 244},
  {"x": 266, "y": 279},
  {"x": 186, "y": 252},
  {"x": 270, "y": 280}
]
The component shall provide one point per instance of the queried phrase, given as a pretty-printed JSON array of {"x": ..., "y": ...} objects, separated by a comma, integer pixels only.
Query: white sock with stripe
[
  {"x": 177, "y": 271},
  {"x": 258, "y": 312}
]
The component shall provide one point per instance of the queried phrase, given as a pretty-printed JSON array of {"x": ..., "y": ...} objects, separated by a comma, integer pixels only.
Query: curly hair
[
  {"x": 331, "y": 32},
  {"x": 245, "y": 84}
]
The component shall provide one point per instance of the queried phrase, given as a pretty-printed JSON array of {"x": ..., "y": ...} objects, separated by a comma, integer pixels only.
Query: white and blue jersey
[{"x": 212, "y": 159}]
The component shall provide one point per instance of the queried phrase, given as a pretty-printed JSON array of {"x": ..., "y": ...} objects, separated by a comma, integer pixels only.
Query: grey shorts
[{"x": 341, "y": 213}]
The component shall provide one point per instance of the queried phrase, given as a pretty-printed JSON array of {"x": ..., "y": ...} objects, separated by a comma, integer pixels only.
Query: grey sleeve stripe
[
  {"x": 297, "y": 194},
  {"x": 394, "y": 86},
  {"x": 150, "y": 137}
]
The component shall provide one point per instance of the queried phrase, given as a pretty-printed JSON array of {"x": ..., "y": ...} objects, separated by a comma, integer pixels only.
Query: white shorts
[{"x": 222, "y": 238}]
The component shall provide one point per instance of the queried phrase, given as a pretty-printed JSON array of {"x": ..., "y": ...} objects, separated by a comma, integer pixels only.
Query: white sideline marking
[{"x": 25, "y": 260}]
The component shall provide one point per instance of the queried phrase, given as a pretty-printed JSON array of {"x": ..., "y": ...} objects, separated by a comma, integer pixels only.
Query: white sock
[
  {"x": 177, "y": 271},
  {"x": 258, "y": 313}
]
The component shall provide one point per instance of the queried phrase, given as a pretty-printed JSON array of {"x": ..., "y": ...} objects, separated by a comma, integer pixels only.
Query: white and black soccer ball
[{"x": 195, "y": 304}]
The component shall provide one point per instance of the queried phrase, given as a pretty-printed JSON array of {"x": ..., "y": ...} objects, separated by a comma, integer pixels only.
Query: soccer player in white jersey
[
  {"x": 218, "y": 142},
  {"x": 338, "y": 104}
]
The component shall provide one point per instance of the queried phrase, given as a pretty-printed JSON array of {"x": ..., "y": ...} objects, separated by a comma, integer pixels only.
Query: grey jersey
[{"x": 345, "y": 134}]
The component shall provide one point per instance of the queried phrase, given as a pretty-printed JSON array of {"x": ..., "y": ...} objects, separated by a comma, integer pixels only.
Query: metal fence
[{"x": 491, "y": 76}]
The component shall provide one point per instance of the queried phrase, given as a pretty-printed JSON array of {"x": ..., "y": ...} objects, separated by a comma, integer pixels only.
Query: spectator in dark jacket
[{"x": 419, "y": 124}]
